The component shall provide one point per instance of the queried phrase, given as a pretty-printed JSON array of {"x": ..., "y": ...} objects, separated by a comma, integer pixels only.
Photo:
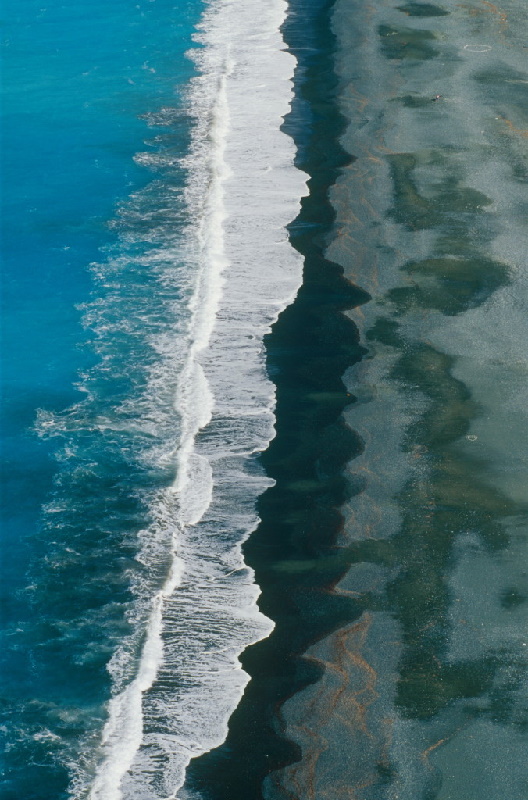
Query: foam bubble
[{"x": 238, "y": 271}]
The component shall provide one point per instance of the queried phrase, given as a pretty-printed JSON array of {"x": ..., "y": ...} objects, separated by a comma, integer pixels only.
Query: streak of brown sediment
[
  {"x": 376, "y": 585},
  {"x": 347, "y": 706},
  {"x": 489, "y": 8},
  {"x": 361, "y": 100},
  {"x": 498, "y": 13},
  {"x": 359, "y": 630},
  {"x": 509, "y": 124},
  {"x": 493, "y": 9},
  {"x": 427, "y": 752}
]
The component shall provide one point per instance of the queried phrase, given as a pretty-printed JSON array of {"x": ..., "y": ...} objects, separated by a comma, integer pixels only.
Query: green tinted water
[{"x": 424, "y": 694}]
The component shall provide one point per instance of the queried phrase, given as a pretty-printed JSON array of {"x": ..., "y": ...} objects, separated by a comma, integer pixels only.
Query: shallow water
[{"x": 424, "y": 693}]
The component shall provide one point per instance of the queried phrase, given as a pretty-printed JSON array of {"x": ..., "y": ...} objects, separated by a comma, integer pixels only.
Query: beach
[{"x": 265, "y": 402}]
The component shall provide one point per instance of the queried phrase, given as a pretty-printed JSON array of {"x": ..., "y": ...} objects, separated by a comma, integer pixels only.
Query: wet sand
[
  {"x": 424, "y": 696},
  {"x": 392, "y": 551}
]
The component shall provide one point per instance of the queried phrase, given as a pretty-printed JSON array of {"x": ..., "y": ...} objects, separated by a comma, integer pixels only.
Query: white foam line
[
  {"x": 195, "y": 399},
  {"x": 188, "y": 683},
  {"x": 123, "y": 732}
]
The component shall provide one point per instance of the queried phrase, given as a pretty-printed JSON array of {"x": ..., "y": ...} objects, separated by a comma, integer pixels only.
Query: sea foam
[{"x": 172, "y": 698}]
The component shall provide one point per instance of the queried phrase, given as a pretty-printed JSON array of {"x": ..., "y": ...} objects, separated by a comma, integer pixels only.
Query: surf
[{"x": 241, "y": 190}]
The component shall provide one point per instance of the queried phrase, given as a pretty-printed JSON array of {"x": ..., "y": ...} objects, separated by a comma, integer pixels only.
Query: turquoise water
[
  {"x": 135, "y": 395},
  {"x": 78, "y": 80}
]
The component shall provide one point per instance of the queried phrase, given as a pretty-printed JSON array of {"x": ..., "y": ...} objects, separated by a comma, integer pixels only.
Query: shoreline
[
  {"x": 310, "y": 348},
  {"x": 391, "y": 672}
]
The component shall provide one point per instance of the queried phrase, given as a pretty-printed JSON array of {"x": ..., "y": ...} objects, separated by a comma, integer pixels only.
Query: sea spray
[
  {"x": 192, "y": 488},
  {"x": 141, "y": 582},
  {"x": 189, "y": 678}
]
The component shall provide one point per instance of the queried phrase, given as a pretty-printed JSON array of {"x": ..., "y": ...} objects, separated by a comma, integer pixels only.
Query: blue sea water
[
  {"x": 134, "y": 394},
  {"x": 78, "y": 79}
]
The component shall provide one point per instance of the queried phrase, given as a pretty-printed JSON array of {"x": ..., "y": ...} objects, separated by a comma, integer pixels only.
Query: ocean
[
  {"x": 264, "y": 400},
  {"x": 146, "y": 254}
]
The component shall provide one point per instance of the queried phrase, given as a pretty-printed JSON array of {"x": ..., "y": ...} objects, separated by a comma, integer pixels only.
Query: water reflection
[{"x": 424, "y": 694}]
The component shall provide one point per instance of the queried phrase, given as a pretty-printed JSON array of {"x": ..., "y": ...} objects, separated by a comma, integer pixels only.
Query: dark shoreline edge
[{"x": 312, "y": 344}]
